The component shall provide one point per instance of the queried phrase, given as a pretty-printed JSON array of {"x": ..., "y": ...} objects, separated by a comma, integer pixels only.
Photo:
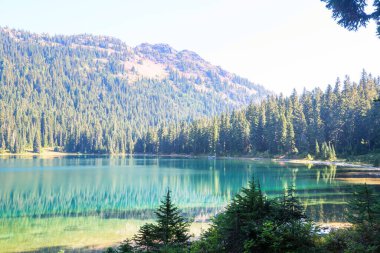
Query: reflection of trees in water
[
  {"x": 117, "y": 192},
  {"x": 131, "y": 188},
  {"x": 327, "y": 174}
]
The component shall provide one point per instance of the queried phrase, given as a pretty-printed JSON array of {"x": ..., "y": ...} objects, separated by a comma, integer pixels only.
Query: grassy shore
[
  {"x": 45, "y": 153},
  {"x": 72, "y": 233}
]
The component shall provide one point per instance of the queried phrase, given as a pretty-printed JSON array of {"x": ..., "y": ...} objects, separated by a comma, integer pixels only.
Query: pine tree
[
  {"x": 252, "y": 223},
  {"x": 299, "y": 122},
  {"x": 364, "y": 214},
  {"x": 37, "y": 142},
  {"x": 291, "y": 139},
  {"x": 317, "y": 151},
  {"x": 2, "y": 145},
  {"x": 284, "y": 133},
  {"x": 354, "y": 14},
  {"x": 291, "y": 208},
  {"x": 125, "y": 247},
  {"x": 109, "y": 250},
  {"x": 242, "y": 218},
  {"x": 171, "y": 229},
  {"x": 44, "y": 130},
  {"x": 215, "y": 136},
  {"x": 363, "y": 208},
  {"x": 147, "y": 237}
]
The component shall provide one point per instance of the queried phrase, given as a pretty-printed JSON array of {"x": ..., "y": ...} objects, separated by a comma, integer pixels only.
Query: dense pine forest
[
  {"x": 342, "y": 120},
  {"x": 95, "y": 94}
]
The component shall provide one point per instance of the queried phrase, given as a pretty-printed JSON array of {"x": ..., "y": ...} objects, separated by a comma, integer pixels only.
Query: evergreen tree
[
  {"x": 354, "y": 14},
  {"x": 2, "y": 145},
  {"x": 37, "y": 142},
  {"x": 364, "y": 214},
  {"x": 363, "y": 208},
  {"x": 317, "y": 151},
  {"x": 125, "y": 247},
  {"x": 284, "y": 134},
  {"x": 291, "y": 139},
  {"x": 147, "y": 238},
  {"x": 290, "y": 207},
  {"x": 252, "y": 223},
  {"x": 171, "y": 230},
  {"x": 110, "y": 250}
]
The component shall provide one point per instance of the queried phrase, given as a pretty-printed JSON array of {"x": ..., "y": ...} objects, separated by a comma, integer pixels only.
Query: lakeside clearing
[{"x": 46, "y": 153}]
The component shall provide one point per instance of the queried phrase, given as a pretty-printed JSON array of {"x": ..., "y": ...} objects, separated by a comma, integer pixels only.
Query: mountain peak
[{"x": 159, "y": 62}]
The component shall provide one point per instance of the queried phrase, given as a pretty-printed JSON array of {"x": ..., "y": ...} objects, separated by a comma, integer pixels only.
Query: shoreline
[
  {"x": 50, "y": 153},
  {"x": 321, "y": 162},
  {"x": 46, "y": 153},
  {"x": 340, "y": 162}
]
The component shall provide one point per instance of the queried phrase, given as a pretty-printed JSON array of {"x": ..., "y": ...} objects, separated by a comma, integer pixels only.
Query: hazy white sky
[{"x": 279, "y": 44}]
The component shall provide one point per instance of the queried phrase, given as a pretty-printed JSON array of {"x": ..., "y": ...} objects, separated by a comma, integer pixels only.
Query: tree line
[
  {"x": 74, "y": 92},
  {"x": 57, "y": 95},
  {"x": 343, "y": 120}
]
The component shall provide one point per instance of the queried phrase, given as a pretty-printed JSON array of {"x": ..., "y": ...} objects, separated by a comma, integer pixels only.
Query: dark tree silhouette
[
  {"x": 352, "y": 14},
  {"x": 253, "y": 223}
]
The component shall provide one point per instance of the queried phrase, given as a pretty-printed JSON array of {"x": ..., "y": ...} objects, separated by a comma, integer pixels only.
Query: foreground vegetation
[{"x": 254, "y": 223}]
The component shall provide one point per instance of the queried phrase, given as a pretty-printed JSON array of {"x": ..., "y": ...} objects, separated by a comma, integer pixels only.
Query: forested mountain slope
[
  {"x": 342, "y": 120},
  {"x": 96, "y": 94}
]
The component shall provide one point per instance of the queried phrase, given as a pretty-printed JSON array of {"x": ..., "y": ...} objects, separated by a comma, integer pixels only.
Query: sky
[{"x": 279, "y": 44}]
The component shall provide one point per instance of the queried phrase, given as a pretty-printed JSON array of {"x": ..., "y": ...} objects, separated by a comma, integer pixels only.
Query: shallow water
[{"x": 79, "y": 202}]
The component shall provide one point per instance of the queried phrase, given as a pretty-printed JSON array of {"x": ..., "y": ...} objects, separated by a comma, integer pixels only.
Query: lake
[{"x": 81, "y": 202}]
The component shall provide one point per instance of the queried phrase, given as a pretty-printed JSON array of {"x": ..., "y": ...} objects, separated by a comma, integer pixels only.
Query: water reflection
[
  {"x": 125, "y": 187},
  {"x": 100, "y": 188}
]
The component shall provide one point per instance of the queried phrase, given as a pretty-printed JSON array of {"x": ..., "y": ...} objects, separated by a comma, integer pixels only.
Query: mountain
[{"x": 96, "y": 94}]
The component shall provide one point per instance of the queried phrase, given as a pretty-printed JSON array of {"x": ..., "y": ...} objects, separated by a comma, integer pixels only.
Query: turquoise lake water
[{"x": 81, "y": 202}]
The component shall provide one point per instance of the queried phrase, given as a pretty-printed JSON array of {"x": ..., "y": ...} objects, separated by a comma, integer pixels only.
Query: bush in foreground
[
  {"x": 168, "y": 234},
  {"x": 253, "y": 223}
]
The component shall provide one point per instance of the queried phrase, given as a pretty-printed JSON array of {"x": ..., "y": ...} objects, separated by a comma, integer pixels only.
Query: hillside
[
  {"x": 341, "y": 121},
  {"x": 96, "y": 94}
]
